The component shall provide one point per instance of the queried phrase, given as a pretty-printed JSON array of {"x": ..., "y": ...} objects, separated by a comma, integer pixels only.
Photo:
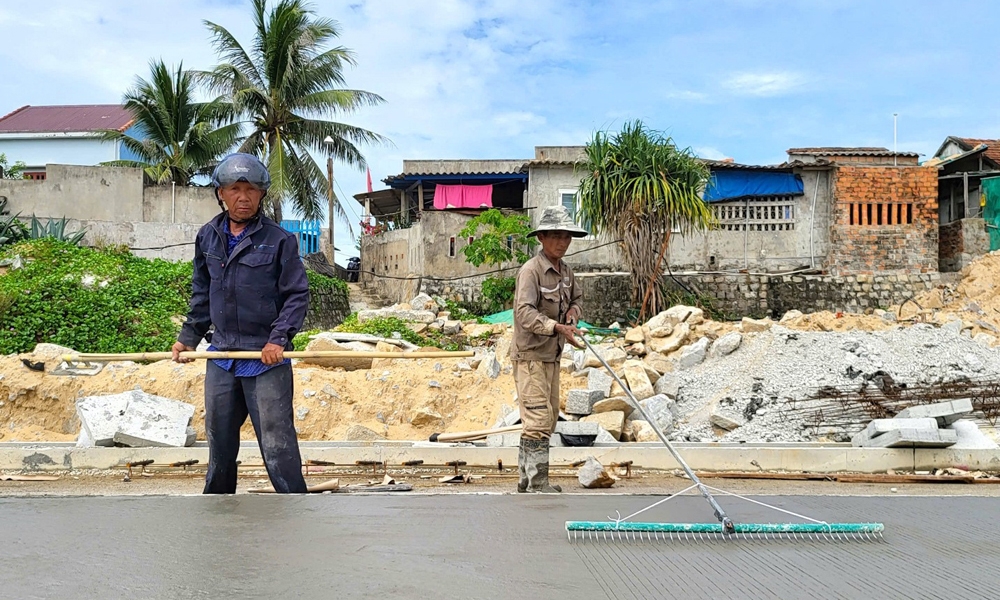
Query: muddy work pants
[
  {"x": 537, "y": 386},
  {"x": 267, "y": 400}
]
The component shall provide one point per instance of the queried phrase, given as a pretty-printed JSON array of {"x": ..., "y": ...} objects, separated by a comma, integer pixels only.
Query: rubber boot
[
  {"x": 537, "y": 468},
  {"x": 522, "y": 461}
]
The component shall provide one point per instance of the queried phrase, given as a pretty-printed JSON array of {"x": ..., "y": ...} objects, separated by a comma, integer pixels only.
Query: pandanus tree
[
  {"x": 638, "y": 187},
  {"x": 286, "y": 88}
]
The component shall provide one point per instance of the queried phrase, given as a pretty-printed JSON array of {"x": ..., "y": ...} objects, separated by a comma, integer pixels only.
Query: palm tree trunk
[
  {"x": 272, "y": 143},
  {"x": 655, "y": 277}
]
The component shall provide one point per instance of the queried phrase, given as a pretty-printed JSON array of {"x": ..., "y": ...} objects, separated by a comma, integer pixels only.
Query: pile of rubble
[{"x": 426, "y": 314}]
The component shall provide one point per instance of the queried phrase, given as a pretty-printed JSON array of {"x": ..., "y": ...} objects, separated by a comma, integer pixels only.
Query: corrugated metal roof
[
  {"x": 64, "y": 119},
  {"x": 849, "y": 151},
  {"x": 727, "y": 164},
  {"x": 463, "y": 167},
  {"x": 546, "y": 162}
]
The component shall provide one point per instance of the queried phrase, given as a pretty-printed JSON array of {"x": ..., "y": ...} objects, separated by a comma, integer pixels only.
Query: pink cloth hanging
[{"x": 463, "y": 196}]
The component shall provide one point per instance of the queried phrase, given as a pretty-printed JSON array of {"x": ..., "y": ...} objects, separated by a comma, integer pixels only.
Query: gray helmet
[{"x": 241, "y": 167}]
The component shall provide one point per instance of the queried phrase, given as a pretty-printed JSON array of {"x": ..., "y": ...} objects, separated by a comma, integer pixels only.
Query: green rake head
[{"x": 635, "y": 532}]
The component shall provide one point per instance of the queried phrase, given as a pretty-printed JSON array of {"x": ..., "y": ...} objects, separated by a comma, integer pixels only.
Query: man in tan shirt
[{"x": 546, "y": 311}]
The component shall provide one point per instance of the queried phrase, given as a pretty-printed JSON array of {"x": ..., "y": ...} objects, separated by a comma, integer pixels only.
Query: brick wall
[
  {"x": 960, "y": 242},
  {"x": 884, "y": 220}
]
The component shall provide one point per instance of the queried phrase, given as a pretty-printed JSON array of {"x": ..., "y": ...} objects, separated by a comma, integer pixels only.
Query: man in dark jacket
[{"x": 250, "y": 285}]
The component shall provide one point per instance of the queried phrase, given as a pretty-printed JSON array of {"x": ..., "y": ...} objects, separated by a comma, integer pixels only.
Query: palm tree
[
  {"x": 285, "y": 87},
  {"x": 637, "y": 187},
  {"x": 177, "y": 138}
]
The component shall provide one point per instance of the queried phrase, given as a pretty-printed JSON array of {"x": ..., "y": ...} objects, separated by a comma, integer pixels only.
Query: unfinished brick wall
[
  {"x": 961, "y": 242},
  {"x": 884, "y": 220}
]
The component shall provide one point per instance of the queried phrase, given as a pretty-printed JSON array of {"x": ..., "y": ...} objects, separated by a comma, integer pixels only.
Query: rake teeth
[
  {"x": 71, "y": 367},
  {"x": 708, "y": 532}
]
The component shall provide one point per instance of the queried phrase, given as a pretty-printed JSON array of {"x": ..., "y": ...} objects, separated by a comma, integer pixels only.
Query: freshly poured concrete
[{"x": 338, "y": 546}]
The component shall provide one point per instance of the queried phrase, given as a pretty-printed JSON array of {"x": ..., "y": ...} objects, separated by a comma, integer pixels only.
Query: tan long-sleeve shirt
[{"x": 542, "y": 297}]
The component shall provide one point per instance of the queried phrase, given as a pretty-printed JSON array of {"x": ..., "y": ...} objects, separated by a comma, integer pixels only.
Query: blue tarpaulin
[{"x": 730, "y": 184}]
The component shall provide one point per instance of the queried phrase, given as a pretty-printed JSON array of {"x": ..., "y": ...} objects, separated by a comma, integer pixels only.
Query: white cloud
[
  {"x": 686, "y": 96},
  {"x": 710, "y": 153},
  {"x": 774, "y": 83}
]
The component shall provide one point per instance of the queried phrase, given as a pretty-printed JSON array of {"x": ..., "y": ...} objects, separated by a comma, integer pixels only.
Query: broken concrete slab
[
  {"x": 577, "y": 428},
  {"x": 154, "y": 421},
  {"x": 503, "y": 440},
  {"x": 100, "y": 415},
  {"x": 592, "y": 475},
  {"x": 581, "y": 402},
  {"x": 914, "y": 438},
  {"x": 946, "y": 413},
  {"x": 878, "y": 427}
]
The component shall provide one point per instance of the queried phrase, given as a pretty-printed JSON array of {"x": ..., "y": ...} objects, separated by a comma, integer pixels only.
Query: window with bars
[
  {"x": 761, "y": 214},
  {"x": 874, "y": 214}
]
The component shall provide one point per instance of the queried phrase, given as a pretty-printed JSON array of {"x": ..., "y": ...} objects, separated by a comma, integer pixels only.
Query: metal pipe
[{"x": 727, "y": 523}]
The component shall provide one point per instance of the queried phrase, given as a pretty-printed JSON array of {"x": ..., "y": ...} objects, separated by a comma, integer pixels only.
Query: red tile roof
[
  {"x": 992, "y": 146},
  {"x": 848, "y": 151},
  {"x": 64, "y": 119}
]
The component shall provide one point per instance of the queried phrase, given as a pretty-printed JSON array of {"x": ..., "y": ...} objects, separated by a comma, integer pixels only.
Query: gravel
[{"x": 771, "y": 368}]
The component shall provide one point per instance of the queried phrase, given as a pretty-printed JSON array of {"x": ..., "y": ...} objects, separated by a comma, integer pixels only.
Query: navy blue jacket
[{"x": 257, "y": 295}]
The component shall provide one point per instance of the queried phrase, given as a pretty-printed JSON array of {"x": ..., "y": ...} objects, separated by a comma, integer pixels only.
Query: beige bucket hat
[{"x": 556, "y": 218}]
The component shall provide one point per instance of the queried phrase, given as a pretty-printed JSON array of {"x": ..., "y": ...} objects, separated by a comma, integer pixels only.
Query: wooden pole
[{"x": 256, "y": 355}]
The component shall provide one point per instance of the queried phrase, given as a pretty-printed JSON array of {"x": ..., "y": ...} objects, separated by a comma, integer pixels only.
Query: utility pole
[{"x": 329, "y": 209}]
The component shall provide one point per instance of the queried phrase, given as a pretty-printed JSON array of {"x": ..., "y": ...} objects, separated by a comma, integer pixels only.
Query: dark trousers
[{"x": 267, "y": 399}]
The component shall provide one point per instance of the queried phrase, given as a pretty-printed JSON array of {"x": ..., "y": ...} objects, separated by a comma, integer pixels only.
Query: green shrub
[
  {"x": 90, "y": 300},
  {"x": 382, "y": 327},
  {"x": 301, "y": 339}
]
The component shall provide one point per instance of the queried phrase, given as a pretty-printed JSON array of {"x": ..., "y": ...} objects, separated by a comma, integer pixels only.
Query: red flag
[{"x": 369, "y": 181}]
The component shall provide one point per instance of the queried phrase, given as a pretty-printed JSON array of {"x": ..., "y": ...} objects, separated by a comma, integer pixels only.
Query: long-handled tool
[
  {"x": 622, "y": 529},
  {"x": 91, "y": 364}
]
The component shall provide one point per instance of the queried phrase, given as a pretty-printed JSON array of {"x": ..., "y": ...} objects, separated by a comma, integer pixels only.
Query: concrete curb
[{"x": 816, "y": 458}]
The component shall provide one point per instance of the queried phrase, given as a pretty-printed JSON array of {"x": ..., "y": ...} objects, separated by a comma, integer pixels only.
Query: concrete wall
[
  {"x": 607, "y": 296},
  {"x": 960, "y": 243},
  {"x": 58, "y": 149},
  {"x": 178, "y": 204},
  {"x": 85, "y": 193}
]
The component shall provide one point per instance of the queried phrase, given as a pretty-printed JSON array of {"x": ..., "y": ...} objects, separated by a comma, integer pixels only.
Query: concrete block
[
  {"x": 501, "y": 440},
  {"x": 577, "y": 428},
  {"x": 581, "y": 402},
  {"x": 598, "y": 379},
  {"x": 879, "y": 426},
  {"x": 946, "y": 413},
  {"x": 100, "y": 415},
  {"x": 914, "y": 438},
  {"x": 154, "y": 421}
]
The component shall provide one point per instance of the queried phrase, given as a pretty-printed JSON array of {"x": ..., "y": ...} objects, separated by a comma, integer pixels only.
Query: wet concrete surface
[{"x": 466, "y": 546}]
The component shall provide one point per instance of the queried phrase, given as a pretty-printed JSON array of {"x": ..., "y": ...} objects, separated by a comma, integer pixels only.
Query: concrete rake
[{"x": 624, "y": 529}]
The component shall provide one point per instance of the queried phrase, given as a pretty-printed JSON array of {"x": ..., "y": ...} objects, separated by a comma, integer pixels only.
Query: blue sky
[{"x": 745, "y": 79}]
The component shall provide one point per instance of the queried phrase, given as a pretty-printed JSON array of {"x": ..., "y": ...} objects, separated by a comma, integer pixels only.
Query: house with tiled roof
[{"x": 67, "y": 135}]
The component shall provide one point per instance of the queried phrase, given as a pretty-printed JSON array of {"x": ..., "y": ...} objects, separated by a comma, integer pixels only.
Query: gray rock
[
  {"x": 489, "y": 367},
  {"x": 451, "y": 327},
  {"x": 301, "y": 412},
  {"x": 727, "y": 344},
  {"x": 581, "y": 402},
  {"x": 592, "y": 475},
  {"x": 619, "y": 403},
  {"x": 953, "y": 326},
  {"x": 694, "y": 354},
  {"x": 662, "y": 410},
  {"x": 603, "y": 437},
  {"x": 424, "y": 302},
  {"x": 726, "y": 419},
  {"x": 667, "y": 386},
  {"x": 598, "y": 379},
  {"x": 192, "y": 437}
]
